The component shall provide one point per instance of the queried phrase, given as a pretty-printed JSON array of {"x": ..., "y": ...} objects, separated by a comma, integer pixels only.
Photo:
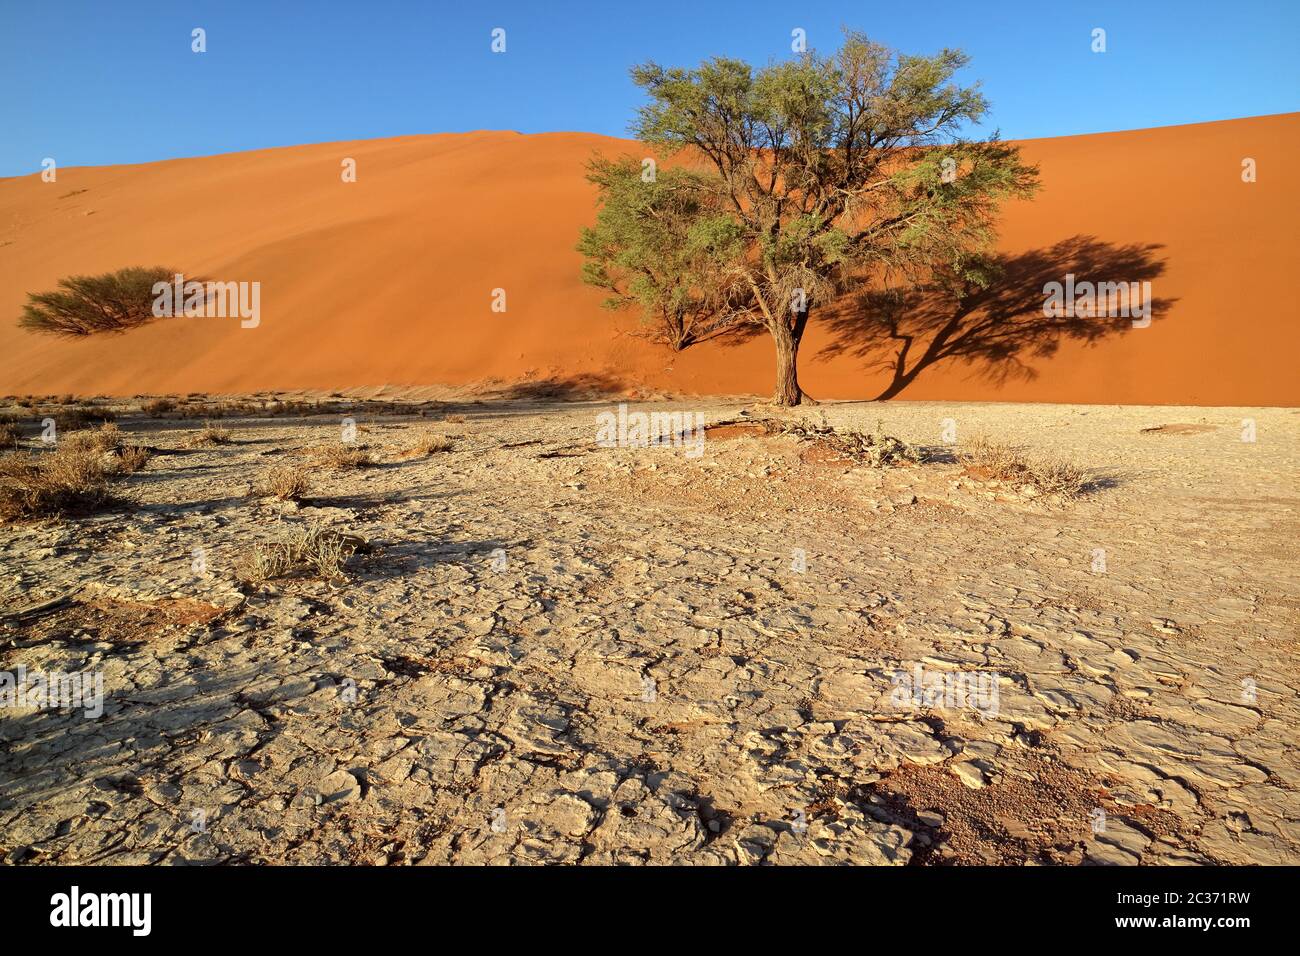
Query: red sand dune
[{"x": 389, "y": 280}]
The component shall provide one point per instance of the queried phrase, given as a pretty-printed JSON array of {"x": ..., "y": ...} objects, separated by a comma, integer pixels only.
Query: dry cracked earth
[{"x": 554, "y": 652}]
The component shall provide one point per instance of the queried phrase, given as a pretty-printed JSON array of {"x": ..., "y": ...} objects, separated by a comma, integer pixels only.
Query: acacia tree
[{"x": 829, "y": 172}]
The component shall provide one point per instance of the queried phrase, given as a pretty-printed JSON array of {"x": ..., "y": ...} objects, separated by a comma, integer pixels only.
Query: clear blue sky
[{"x": 114, "y": 81}]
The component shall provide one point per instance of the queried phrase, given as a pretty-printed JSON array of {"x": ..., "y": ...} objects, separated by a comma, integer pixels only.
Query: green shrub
[{"x": 86, "y": 305}]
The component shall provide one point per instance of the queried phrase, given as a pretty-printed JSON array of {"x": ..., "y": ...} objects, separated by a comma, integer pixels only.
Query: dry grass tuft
[
  {"x": 108, "y": 437},
  {"x": 10, "y": 433},
  {"x": 70, "y": 480},
  {"x": 429, "y": 443},
  {"x": 298, "y": 550},
  {"x": 1000, "y": 461},
  {"x": 287, "y": 481},
  {"x": 211, "y": 434},
  {"x": 158, "y": 406},
  {"x": 1060, "y": 477},
  {"x": 342, "y": 457},
  {"x": 131, "y": 458}
]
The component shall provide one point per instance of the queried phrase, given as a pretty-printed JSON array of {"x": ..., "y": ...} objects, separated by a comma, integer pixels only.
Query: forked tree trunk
[{"x": 787, "y": 340}]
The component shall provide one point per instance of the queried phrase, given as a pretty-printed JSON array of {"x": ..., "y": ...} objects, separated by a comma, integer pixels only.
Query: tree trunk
[{"x": 787, "y": 390}]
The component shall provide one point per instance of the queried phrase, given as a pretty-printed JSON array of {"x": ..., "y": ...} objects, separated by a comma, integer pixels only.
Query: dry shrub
[
  {"x": 876, "y": 450},
  {"x": 206, "y": 409},
  {"x": 287, "y": 481},
  {"x": 998, "y": 460},
  {"x": 10, "y": 433},
  {"x": 89, "y": 305},
  {"x": 130, "y": 458},
  {"x": 211, "y": 434},
  {"x": 158, "y": 406},
  {"x": 198, "y": 405},
  {"x": 1059, "y": 477},
  {"x": 108, "y": 437},
  {"x": 70, "y": 480},
  {"x": 290, "y": 407},
  {"x": 342, "y": 457},
  {"x": 1003, "y": 462},
  {"x": 74, "y": 419},
  {"x": 297, "y": 550}
]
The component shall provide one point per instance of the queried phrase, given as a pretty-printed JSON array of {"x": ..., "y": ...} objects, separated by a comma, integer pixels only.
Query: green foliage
[
  {"x": 87, "y": 305},
  {"x": 656, "y": 242}
]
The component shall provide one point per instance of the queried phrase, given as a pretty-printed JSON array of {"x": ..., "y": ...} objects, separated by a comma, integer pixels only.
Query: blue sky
[{"x": 115, "y": 81}]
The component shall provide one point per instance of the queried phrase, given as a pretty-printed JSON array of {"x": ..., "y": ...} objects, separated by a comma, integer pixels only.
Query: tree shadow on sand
[{"x": 999, "y": 329}]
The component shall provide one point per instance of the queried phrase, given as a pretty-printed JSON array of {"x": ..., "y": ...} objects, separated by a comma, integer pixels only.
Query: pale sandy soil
[{"x": 566, "y": 653}]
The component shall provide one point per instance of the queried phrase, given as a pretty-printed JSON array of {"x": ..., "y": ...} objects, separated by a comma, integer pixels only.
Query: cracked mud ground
[{"x": 556, "y": 652}]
